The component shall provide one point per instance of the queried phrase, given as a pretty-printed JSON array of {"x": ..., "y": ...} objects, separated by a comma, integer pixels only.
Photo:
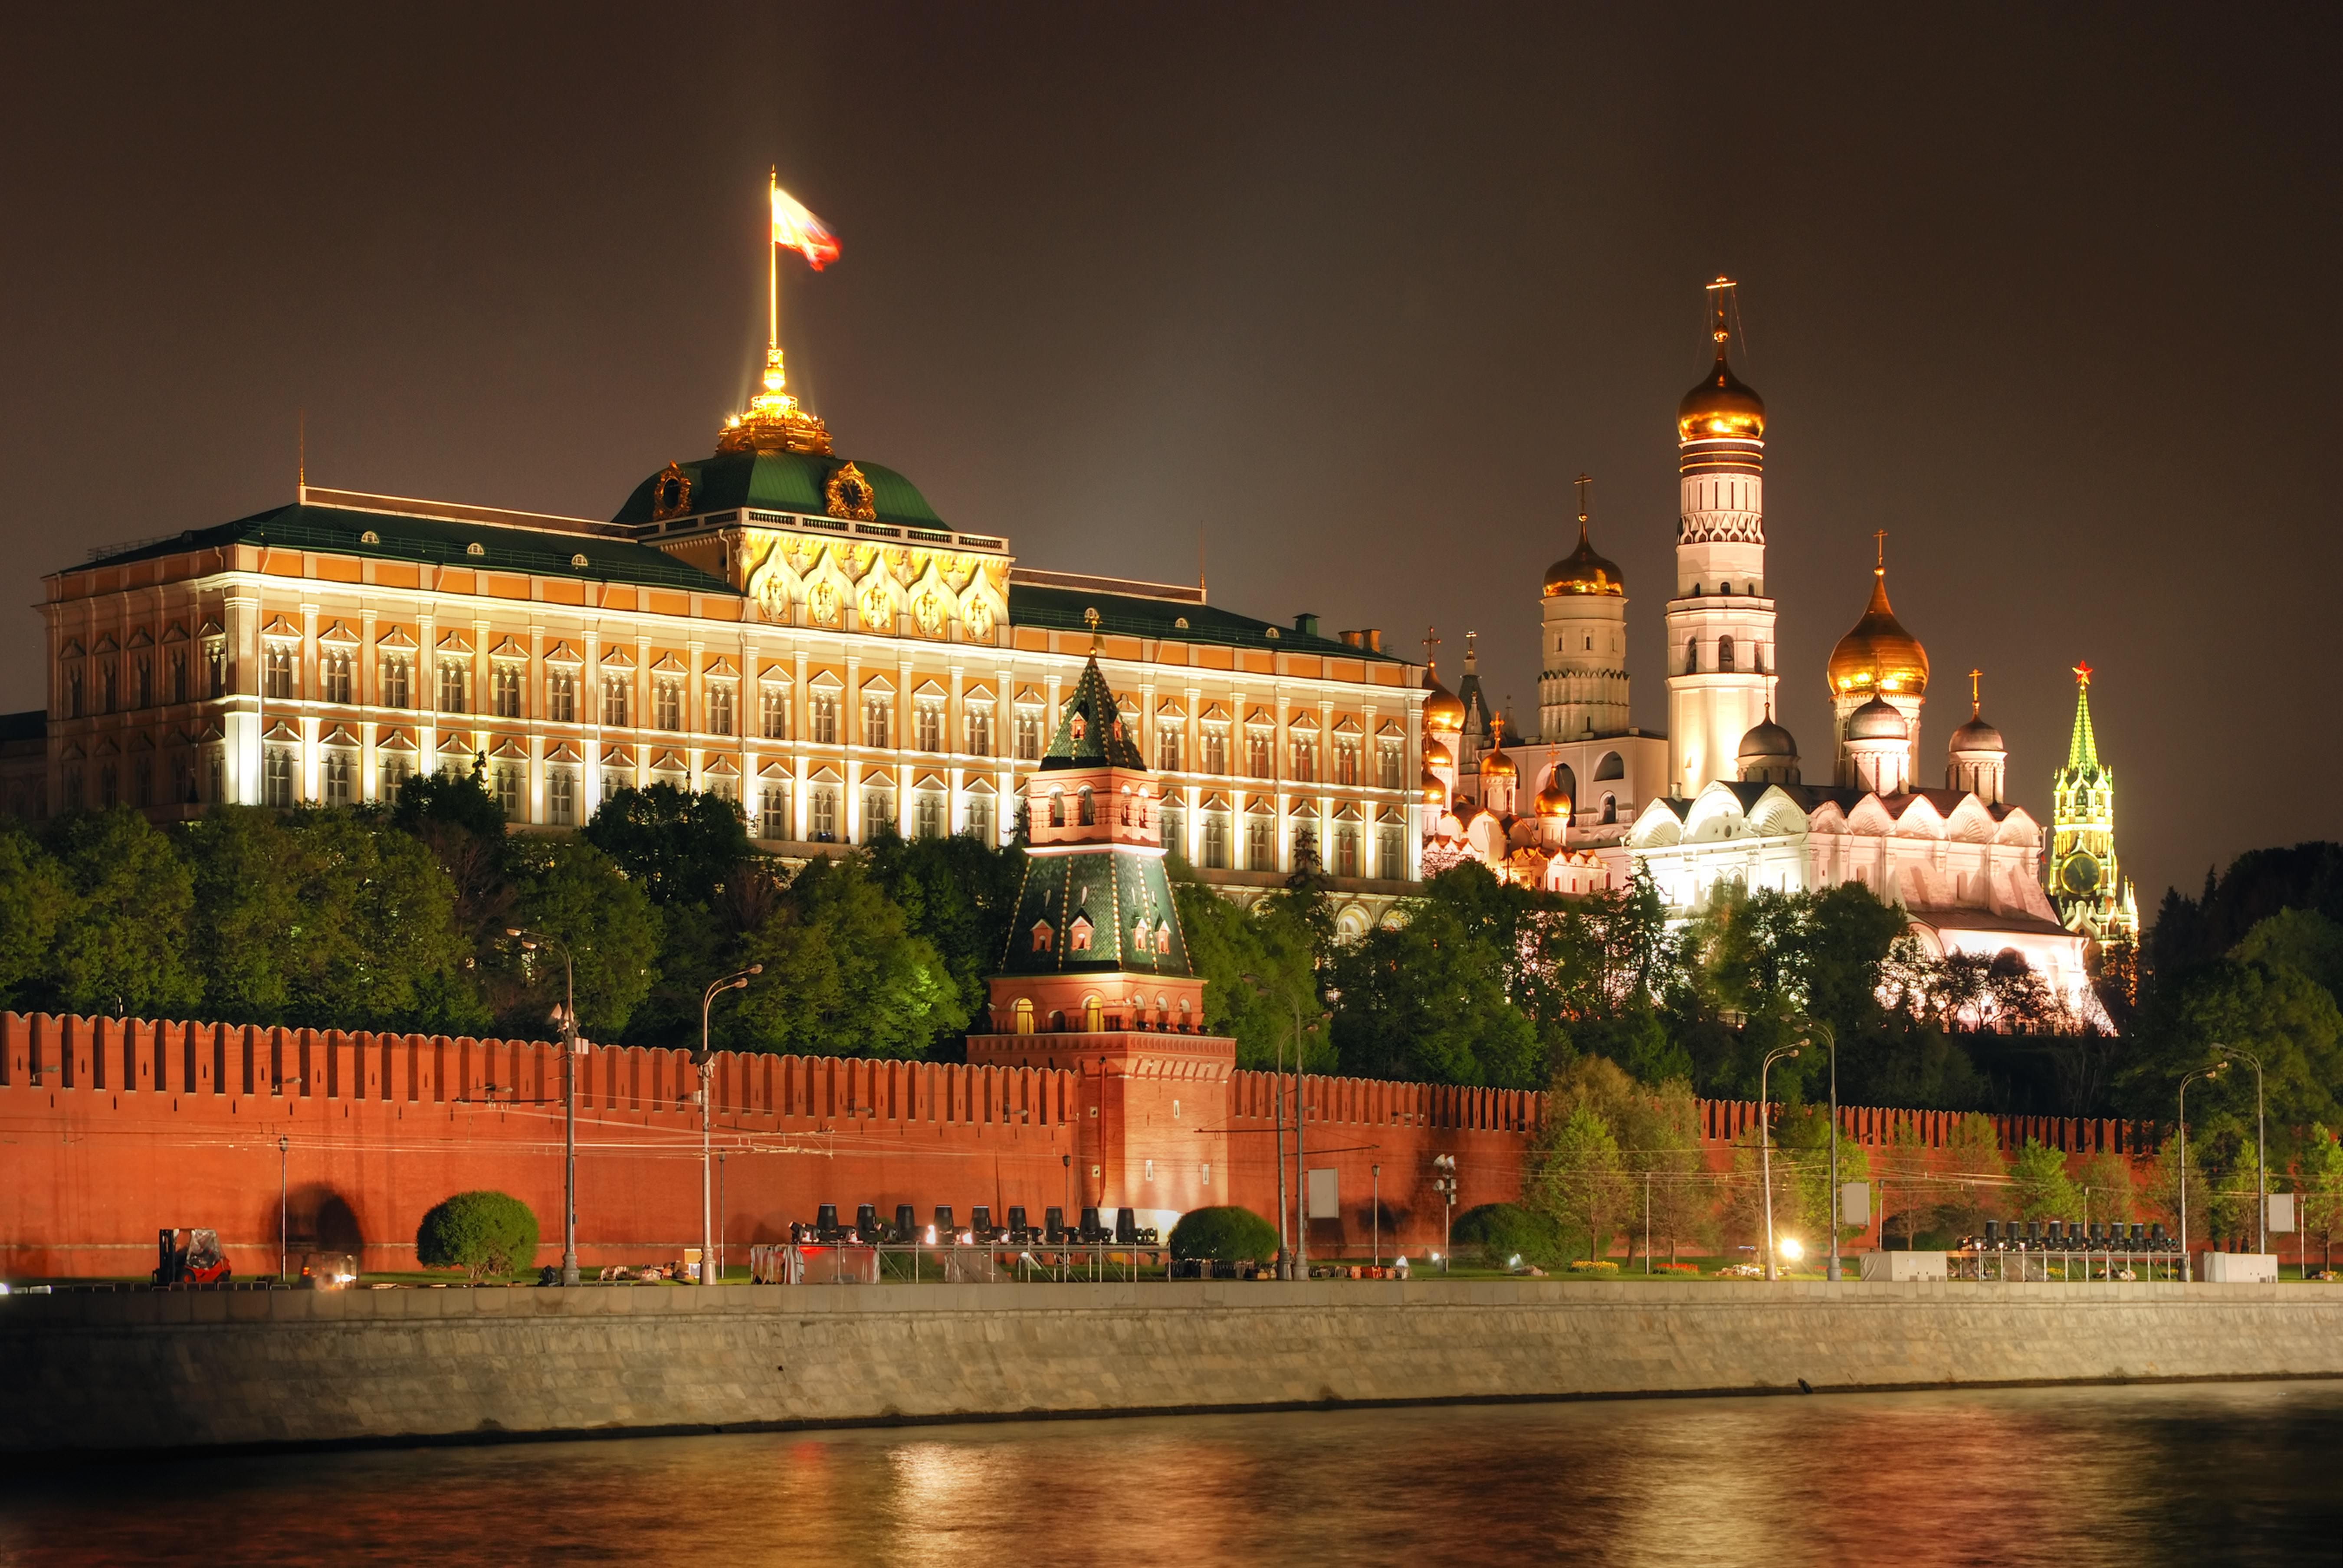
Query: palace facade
[{"x": 797, "y": 631}]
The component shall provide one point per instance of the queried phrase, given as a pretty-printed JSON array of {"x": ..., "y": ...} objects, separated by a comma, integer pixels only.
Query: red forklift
[{"x": 199, "y": 1263}]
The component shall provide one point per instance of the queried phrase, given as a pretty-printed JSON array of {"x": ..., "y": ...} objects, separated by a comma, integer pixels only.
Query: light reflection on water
[{"x": 2204, "y": 1474}]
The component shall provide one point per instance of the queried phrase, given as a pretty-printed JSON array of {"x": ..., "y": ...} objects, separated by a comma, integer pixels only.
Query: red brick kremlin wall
[{"x": 116, "y": 1127}]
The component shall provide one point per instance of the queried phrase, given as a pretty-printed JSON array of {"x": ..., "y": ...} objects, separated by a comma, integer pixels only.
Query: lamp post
[
  {"x": 2206, "y": 1073},
  {"x": 1830, "y": 1042},
  {"x": 1378, "y": 1171},
  {"x": 1277, "y": 1087},
  {"x": 738, "y": 980},
  {"x": 1765, "y": 1150},
  {"x": 284, "y": 1233},
  {"x": 566, "y": 1019},
  {"x": 2261, "y": 1151}
]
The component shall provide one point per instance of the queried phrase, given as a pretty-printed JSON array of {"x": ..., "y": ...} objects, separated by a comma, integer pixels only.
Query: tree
[
  {"x": 2319, "y": 1181},
  {"x": 2040, "y": 1188},
  {"x": 571, "y": 890},
  {"x": 681, "y": 845},
  {"x": 2268, "y": 1008},
  {"x": 1226, "y": 943},
  {"x": 120, "y": 946},
  {"x": 1427, "y": 1000},
  {"x": 2165, "y": 1182},
  {"x": 1972, "y": 1159},
  {"x": 1580, "y": 1180},
  {"x": 481, "y": 1233},
  {"x": 844, "y": 975},
  {"x": 2108, "y": 1189},
  {"x": 453, "y": 817},
  {"x": 1226, "y": 1234},
  {"x": 958, "y": 892},
  {"x": 1661, "y": 1145},
  {"x": 34, "y": 899}
]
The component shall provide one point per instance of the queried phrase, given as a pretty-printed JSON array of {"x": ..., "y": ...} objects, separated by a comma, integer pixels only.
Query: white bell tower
[{"x": 1720, "y": 653}]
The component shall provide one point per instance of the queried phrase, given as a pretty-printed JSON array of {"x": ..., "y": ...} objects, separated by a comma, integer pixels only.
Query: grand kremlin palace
[{"x": 796, "y": 632}]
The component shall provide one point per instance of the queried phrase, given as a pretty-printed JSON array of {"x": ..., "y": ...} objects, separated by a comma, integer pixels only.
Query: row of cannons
[
  {"x": 870, "y": 1230},
  {"x": 2048, "y": 1250}
]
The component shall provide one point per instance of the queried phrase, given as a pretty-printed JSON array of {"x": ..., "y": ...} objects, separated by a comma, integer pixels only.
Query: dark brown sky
[{"x": 1350, "y": 294}]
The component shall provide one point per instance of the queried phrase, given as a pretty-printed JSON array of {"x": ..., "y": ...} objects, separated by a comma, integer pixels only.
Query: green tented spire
[
  {"x": 1090, "y": 732},
  {"x": 2082, "y": 750}
]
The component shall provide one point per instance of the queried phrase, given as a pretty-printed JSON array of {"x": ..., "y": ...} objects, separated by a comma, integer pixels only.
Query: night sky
[{"x": 1346, "y": 296}]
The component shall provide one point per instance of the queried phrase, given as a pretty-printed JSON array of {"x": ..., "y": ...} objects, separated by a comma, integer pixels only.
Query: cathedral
[{"x": 1722, "y": 801}]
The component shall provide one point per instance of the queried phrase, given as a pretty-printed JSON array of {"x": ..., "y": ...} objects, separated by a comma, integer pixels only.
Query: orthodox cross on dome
[
  {"x": 1721, "y": 301},
  {"x": 1974, "y": 705},
  {"x": 1879, "y": 564},
  {"x": 1431, "y": 646},
  {"x": 1584, "y": 481}
]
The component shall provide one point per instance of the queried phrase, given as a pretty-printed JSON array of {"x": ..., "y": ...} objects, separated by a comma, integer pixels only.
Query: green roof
[
  {"x": 441, "y": 542},
  {"x": 1123, "y": 895},
  {"x": 784, "y": 482},
  {"x": 1089, "y": 731},
  {"x": 1131, "y": 615}
]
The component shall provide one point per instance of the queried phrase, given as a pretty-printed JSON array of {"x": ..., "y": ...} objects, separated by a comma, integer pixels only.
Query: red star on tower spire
[{"x": 2082, "y": 673}]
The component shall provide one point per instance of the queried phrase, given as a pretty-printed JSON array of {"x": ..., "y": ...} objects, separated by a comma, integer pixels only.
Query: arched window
[
  {"x": 1024, "y": 1014},
  {"x": 1057, "y": 809},
  {"x": 1692, "y": 654},
  {"x": 1087, "y": 812},
  {"x": 1093, "y": 1014},
  {"x": 1610, "y": 809},
  {"x": 1724, "y": 653}
]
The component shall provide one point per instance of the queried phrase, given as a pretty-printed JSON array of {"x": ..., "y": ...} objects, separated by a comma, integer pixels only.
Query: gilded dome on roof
[
  {"x": 1435, "y": 793},
  {"x": 1442, "y": 712},
  {"x": 1721, "y": 407},
  {"x": 1553, "y": 800},
  {"x": 1879, "y": 655},
  {"x": 1583, "y": 571},
  {"x": 1436, "y": 755},
  {"x": 1497, "y": 765}
]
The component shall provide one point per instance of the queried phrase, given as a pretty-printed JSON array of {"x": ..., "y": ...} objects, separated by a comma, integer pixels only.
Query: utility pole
[{"x": 1765, "y": 1150}]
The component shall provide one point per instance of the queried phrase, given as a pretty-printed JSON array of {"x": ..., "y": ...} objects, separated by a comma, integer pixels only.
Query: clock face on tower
[{"x": 2080, "y": 874}]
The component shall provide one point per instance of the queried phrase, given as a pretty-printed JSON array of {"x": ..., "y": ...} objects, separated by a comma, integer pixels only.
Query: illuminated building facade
[{"x": 794, "y": 630}]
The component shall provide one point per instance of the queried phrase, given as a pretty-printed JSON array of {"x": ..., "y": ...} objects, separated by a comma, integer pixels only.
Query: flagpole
[{"x": 772, "y": 264}]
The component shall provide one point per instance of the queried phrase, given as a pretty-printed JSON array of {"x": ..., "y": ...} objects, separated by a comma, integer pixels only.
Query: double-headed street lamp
[
  {"x": 2206, "y": 1073},
  {"x": 1765, "y": 1150},
  {"x": 738, "y": 980},
  {"x": 565, "y": 1018},
  {"x": 1298, "y": 1256},
  {"x": 2261, "y": 1148}
]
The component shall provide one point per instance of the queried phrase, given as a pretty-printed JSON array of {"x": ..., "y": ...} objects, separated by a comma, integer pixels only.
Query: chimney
[
  {"x": 1374, "y": 634},
  {"x": 1355, "y": 639},
  {"x": 1307, "y": 625}
]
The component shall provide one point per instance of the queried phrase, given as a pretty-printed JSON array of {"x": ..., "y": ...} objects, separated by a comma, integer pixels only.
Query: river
[{"x": 2198, "y": 1473}]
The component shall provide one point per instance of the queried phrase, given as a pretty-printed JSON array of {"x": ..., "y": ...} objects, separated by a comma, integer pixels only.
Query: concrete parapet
[{"x": 110, "y": 1372}]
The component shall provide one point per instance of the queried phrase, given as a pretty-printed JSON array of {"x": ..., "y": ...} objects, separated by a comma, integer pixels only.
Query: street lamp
[
  {"x": 1378, "y": 1171},
  {"x": 565, "y": 1018},
  {"x": 1444, "y": 1183},
  {"x": 1280, "y": 1100},
  {"x": 284, "y": 1222},
  {"x": 738, "y": 980},
  {"x": 2207, "y": 1074},
  {"x": 1765, "y": 1150},
  {"x": 2261, "y": 1151},
  {"x": 1830, "y": 1041}
]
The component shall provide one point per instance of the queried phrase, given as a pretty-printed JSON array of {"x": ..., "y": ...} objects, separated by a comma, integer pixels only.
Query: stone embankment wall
[{"x": 99, "y": 1372}]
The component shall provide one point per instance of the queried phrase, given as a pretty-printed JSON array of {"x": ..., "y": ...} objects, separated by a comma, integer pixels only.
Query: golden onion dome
[
  {"x": 1435, "y": 793},
  {"x": 1553, "y": 800},
  {"x": 1721, "y": 407},
  {"x": 1879, "y": 655},
  {"x": 1583, "y": 571},
  {"x": 1436, "y": 755},
  {"x": 1497, "y": 765},
  {"x": 1443, "y": 713}
]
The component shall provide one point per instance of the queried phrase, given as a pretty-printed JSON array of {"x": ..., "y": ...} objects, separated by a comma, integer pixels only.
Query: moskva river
[{"x": 2226, "y": 1473}]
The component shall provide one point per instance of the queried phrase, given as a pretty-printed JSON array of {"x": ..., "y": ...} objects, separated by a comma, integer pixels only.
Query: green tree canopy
[
  {"x": 121, "y": 945},
  {"x": 682, "y": 846},
  {"x": 571, "y": 890},
  {"x": 34, "y": 900},
  {"x": 844, "y": 975}
]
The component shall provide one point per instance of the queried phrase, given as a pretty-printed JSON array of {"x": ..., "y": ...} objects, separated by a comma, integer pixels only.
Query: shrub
[
  {"x": 1226, "y": 1235},
  {"x": 1502, "y": 1230},
  {"x": 482, "y": 1234}
]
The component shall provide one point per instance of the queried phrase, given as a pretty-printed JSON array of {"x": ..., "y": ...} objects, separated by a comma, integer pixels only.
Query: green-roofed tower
[{"x": 2086, "y": 883}]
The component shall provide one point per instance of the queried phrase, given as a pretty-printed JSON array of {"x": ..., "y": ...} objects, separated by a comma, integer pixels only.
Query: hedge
[{"x": 1229, "y": 1235}]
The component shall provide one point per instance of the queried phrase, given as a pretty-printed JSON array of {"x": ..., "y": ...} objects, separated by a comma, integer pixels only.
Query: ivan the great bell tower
[{"x": 1721, "y": 668}]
